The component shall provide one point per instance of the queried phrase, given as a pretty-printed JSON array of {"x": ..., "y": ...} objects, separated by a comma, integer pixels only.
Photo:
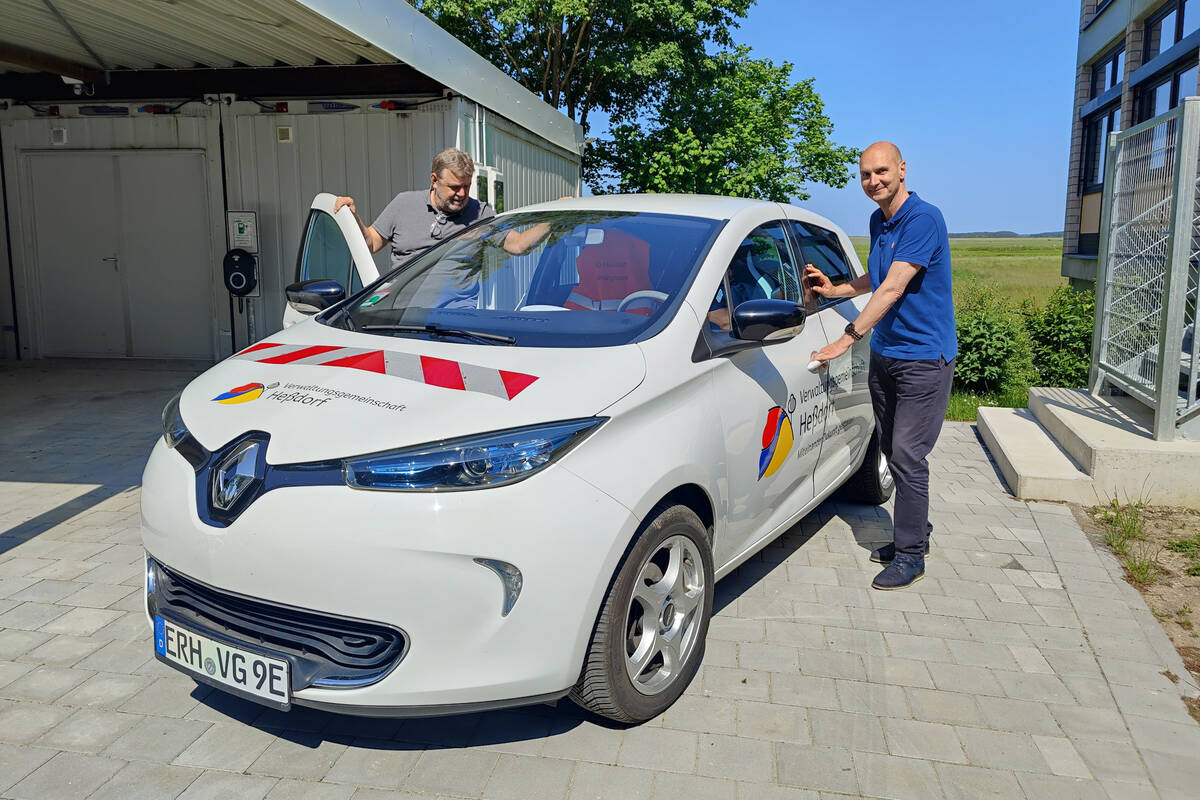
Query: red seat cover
[{"x": 611, "y": 271}]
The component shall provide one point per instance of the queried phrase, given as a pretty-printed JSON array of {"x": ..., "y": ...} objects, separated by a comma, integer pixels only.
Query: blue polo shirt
[{"x": 920, "y": 325}]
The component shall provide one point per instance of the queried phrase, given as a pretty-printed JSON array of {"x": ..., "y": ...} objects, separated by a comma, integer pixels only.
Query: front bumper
[{"x": 407, "y": 561}]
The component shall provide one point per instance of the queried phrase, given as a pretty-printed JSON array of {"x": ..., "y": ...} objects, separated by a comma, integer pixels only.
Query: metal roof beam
[
  {"x": 31, "y": 59},
  {"x": 75, "y": 34},
  {"x": 276, "y": 83}
]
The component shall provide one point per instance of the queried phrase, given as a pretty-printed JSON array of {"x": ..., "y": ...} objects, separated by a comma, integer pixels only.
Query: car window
[
  {"x": 325, "y": 253},
  {"x": 762, "y": 268},
  {"x": 822, "y": 249},
  {"x": 545, "y": 279}
]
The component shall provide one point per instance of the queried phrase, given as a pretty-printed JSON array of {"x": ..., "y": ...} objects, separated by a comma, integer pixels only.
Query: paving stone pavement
[{"x": 1021, "y": 666}]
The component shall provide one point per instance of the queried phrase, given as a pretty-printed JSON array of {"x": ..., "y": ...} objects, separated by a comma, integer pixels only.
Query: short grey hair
[{"x": 454, "y": 160}]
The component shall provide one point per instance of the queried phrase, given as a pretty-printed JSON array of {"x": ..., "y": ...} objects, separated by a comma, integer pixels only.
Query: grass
[
  {"x": 1124, "y": 529},
  {"x": 965, "y": 405},
  {"x": 1190, "y": 549},
  {"x": 1021, "y": 269},
  {"x": 1123, "y": 520},
  {"x": 1142, "y": 567}
]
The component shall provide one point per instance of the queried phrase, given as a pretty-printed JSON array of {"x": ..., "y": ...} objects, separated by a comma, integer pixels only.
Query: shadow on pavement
[
  {"x": 17, "y": 534},
  {"x": 867, "y": 535},
  {"x": 309, "y": 727}
]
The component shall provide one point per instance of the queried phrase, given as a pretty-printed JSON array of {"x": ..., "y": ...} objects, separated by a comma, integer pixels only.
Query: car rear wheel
[
  {"x": 649, "y": 636},
  {"x": 872, "y": 483}
]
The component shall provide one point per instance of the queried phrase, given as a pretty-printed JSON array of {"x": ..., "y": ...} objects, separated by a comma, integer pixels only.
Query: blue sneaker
[
  {"x": 904, "y": 571},
  {"x": 885, "y": 554}
]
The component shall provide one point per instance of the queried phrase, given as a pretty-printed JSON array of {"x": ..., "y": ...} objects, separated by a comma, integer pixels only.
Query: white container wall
[
  {"x": 275, "y": 162},
  {"x": 534, "y": 171},
  {"x": 48, "y": 139},
  {"x": 366, "y": 153}
]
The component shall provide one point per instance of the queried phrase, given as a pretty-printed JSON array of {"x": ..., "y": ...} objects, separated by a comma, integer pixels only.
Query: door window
[
  {"x": 821, "y": 248},
  {"x": 762, "y": 269},
  {"x": 325, "y": 253}
]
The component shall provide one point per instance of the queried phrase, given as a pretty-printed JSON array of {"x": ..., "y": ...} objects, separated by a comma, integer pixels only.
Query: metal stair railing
[{"x": 1149, "y": 268}]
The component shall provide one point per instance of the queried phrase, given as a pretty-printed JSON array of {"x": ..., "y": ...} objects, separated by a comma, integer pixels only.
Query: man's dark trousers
[{"x": 910, "y": 399}]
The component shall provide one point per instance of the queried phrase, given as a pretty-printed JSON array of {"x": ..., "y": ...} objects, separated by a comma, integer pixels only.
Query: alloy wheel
[{"x": 664, "y": 614}]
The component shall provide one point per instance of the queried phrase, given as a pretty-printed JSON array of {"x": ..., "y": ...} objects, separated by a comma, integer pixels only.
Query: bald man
[{"x": 913, "y": 347}]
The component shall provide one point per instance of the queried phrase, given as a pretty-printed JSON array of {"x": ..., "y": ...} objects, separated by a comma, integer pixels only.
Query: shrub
[
  {"x": 1060, "y": 337},
  {"x": 993, "y": 349}
]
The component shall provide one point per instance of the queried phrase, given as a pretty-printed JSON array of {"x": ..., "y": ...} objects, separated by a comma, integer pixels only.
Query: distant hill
[{"x": 1005, "y": 235}]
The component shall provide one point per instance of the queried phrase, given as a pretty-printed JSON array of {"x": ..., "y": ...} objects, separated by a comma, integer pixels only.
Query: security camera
[{"x": 76, "y": 85}]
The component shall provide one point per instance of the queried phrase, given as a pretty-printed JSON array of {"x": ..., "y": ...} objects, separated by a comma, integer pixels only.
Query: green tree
[
  {"x": 689, "y": 111},
  {"x": 735, "y": 125},
  {"x": 581, "y": 55}
]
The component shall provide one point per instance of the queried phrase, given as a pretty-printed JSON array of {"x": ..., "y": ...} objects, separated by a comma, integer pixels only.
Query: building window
[
  {"x": 1109, "y": 70},
  {"x": 1097, "y": 127},
  {"x": 1174, "y": 21},
  {"x": 1165, "y": 93}
]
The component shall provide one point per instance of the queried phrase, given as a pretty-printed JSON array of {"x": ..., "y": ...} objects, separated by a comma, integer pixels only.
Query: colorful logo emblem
[
  {"x": 240, "y": 394},
  {"x": 776, "y": 442}
]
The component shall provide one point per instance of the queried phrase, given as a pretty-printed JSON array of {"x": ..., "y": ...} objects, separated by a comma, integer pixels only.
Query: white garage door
[{"x": 122, "y": 253}]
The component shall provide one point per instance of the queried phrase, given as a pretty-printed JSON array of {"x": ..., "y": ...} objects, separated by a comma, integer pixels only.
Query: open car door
[{"x": 332, "y": 247}]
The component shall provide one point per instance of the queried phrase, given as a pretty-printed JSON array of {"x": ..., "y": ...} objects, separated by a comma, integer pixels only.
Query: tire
[
  {"x": 633, "y": 672},
  {"x": 872, "y": 482}
]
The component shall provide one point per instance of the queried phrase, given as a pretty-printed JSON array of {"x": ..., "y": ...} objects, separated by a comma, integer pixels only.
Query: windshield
[{"x": 542, "y": 279}]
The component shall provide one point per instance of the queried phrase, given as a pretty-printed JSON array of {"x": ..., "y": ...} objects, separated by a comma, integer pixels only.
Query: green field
[{"x": 1020, "y": 268}]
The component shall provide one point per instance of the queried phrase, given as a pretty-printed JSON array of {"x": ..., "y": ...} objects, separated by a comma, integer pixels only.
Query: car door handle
[{"x": 113, "y": 259}]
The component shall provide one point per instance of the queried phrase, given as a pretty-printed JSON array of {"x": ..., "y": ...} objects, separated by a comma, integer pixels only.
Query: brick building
[{"x": 1136, "y": 59}]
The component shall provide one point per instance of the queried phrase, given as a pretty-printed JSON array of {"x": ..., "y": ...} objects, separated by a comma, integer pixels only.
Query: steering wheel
[
  {"x": 648, "y": 294},
  {"x": 541, "y": 307}
]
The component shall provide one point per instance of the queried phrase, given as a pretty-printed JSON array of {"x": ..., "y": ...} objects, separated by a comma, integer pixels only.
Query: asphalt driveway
[{"x": 1022, "y": 666}]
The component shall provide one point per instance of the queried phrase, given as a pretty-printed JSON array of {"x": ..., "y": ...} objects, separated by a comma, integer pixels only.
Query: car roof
[{"x": 690, "y": 205}]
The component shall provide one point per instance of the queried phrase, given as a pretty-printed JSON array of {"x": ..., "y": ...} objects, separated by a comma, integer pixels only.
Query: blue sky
[{"x": 977, "y": 95}]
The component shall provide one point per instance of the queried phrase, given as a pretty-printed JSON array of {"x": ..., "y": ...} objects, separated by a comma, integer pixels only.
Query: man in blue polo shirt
[{"x": 912, "y": 350}]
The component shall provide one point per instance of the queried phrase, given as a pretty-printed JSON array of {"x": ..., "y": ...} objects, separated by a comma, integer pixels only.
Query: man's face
[
  {"x": 881, "y": 173},
  {"x": 450, "y": 191}
]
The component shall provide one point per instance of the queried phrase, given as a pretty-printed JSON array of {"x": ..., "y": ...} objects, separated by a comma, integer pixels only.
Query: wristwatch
[{"x": 855, "y": 335}]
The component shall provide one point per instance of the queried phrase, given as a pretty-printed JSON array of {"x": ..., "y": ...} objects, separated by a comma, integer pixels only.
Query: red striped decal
[
  {"x": 442, "y": 372},
  {"x": 260, "y": 346},
  {"x": 369, "y": 362},
  {"x": 515, "y": 382},
  {"x": 296, "y": 355}
]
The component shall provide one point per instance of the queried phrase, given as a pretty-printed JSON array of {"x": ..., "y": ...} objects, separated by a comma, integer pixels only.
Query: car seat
[
  {"x": 611, "y": 271},
  {"x": 752, "y": 278}
]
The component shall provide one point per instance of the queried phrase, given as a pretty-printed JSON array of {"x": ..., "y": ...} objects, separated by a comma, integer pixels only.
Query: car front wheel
[{"x": 649, "y": 636}]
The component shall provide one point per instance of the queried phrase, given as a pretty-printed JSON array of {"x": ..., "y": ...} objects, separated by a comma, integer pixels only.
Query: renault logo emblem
[{"x": 236, "y": 474}]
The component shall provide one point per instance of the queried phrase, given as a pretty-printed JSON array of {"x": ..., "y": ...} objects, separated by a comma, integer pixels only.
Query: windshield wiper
[
  {"x": 437, "y": 330},
  {"x": 343, "y": 317}
]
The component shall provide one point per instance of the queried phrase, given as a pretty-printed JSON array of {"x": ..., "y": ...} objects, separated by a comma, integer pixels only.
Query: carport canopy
[{"x": 137, "y": 49}]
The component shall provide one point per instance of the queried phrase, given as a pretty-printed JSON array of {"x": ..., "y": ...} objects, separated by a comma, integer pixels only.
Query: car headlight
[
  {"x": 174, "y": 431},
  {"x": 472, "y": 462}
]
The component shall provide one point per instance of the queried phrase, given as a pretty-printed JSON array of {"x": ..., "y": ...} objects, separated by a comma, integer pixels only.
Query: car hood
[{"x": 325, "y": 393}]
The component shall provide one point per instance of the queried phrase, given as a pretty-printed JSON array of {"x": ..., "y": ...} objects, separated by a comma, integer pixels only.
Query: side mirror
[
  {"x": 767, "y": 321},
  {"x": 315, "y": 294}
]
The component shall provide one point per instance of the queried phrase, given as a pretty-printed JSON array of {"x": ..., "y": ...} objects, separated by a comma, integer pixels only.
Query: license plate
[{"x": 221, "y": 664}]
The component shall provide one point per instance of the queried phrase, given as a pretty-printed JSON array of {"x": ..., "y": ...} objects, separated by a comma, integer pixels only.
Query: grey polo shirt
[{"x": 408, "y": 220}]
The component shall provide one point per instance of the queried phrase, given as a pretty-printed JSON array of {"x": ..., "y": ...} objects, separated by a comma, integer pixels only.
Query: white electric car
[{"x": 511, "y": 470}]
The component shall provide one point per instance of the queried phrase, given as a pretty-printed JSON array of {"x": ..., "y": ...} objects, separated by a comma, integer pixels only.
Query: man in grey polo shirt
[{"x": 415, "y": 221}]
